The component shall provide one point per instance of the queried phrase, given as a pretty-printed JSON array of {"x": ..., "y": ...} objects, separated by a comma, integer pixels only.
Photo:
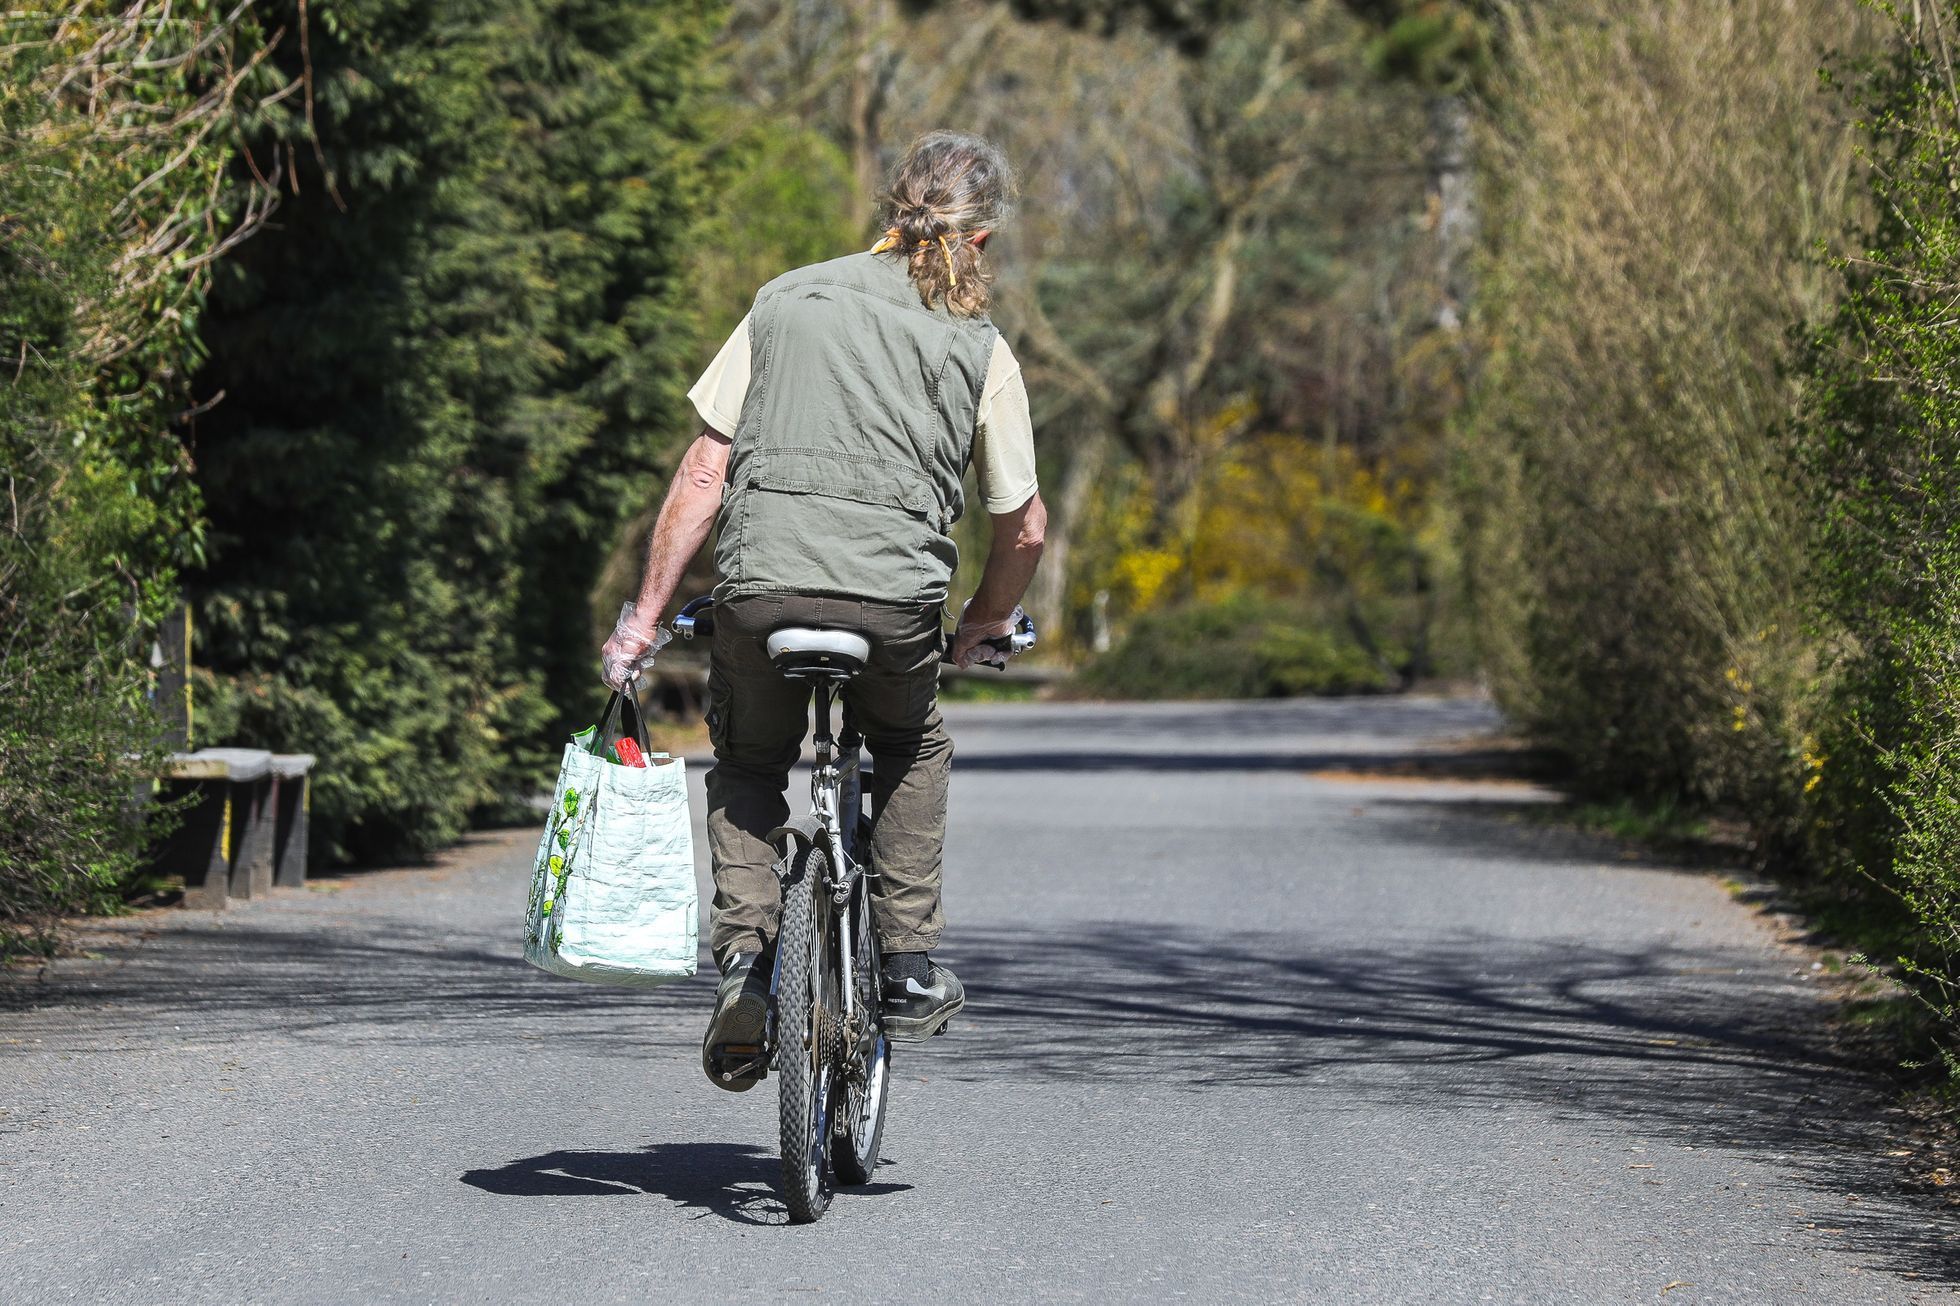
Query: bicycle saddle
[{"x": 803, "y": 651}]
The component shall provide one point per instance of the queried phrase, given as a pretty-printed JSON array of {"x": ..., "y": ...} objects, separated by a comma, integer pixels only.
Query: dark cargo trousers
[{"x": 757, "y": 719}]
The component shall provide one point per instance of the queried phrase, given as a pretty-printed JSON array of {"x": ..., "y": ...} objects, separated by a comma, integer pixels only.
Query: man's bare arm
[
  {"x": 687, "y": 517},
  {"x": 1011, "y": 560}
]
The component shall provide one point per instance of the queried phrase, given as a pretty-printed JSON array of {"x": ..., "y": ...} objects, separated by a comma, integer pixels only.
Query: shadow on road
[
  {"x": 732, "y": 1180},
  {"x": 1462, "y": 764},
  {"x": 1673, "y": 1045}
]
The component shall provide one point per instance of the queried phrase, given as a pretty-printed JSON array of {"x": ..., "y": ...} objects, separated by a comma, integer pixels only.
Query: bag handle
[{"x": 626, "y": 706}]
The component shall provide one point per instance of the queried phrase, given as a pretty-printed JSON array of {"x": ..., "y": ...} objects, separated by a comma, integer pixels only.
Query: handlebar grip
[
  {"x": 1003, "y": 649},
  {"x": 1019, "y": 640},
  {"x": 696, "y": 617}
]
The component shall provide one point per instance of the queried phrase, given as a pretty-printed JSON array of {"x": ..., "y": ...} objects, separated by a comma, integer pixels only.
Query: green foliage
[
  {"x": 108, "y": 217},
  {"x": 783, "y": 198},
  {"x": 1310, "y": 529},
  {"x": 1436, "y": 43},
  {"x": 1879, "y": 443},
  {"x": 447, "y": 376},
  {"x": 1238, "y": 647},
  {"x": 979, "y": 689},
  {"x": 1665, "y": 824}
]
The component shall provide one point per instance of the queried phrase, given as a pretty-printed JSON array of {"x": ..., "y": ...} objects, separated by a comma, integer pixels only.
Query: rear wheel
[
  {"x": 805, "y": 1039},
  {"x": 854, "y": 1154}
]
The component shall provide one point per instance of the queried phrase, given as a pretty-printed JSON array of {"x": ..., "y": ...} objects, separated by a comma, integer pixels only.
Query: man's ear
[{"x": 979, "y": 238}]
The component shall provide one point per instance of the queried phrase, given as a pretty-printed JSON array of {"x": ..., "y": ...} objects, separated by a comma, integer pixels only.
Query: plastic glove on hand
[
  {"x": 970, "y": 639},
  {"x": 634, "y": 643}
]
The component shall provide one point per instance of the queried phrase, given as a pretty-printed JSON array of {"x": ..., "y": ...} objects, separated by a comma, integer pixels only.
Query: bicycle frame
[
  {"x": 838, "y": 1070},
  {"x": 836, "y": 801},
  {"x": 836, "y": 798}
]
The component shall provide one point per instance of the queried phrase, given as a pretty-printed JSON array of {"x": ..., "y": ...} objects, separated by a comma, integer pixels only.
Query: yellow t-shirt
[{"x": 1003, "y": 446}]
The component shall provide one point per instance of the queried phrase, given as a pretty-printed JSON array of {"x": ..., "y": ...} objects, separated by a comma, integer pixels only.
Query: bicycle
[{"x": 823, "y": 1035}]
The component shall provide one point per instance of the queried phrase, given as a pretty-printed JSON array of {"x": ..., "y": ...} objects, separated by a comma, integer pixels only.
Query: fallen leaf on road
[
  {"x": 1941, "y": 1178},
  {"x": 1666, "y": 1288}
]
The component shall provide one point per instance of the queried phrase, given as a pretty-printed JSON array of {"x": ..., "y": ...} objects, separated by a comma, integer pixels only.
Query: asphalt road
[{"x": 1249, "y": 1020}]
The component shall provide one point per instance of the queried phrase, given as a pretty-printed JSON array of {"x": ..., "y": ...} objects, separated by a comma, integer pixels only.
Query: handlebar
[
  {"x": 696, "y": 617},
  {"x": 1019, "y": 640}
]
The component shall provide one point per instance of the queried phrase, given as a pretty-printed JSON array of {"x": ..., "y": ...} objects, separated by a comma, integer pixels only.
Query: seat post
[{"x": 823, "y": 740}]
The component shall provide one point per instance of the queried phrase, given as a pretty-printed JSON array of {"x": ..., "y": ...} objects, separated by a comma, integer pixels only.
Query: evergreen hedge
[{"x": 447, "y": 376}]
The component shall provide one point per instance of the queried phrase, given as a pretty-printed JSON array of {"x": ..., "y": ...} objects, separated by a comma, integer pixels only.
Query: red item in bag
[{"x": 629, "y": 753}]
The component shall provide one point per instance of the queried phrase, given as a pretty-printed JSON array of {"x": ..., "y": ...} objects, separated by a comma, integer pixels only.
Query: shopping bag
[{"x": 612, "y": 892}]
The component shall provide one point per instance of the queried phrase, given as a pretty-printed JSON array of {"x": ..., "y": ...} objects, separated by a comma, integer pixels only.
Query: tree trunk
[
  {"x": 1453, "y": 203},
  {"x": 1048, "y": 596},
  {"x": 871, "y": 74}
]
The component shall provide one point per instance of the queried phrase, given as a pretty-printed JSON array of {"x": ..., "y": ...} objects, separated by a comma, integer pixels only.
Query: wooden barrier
[{"x": 244, "y": 824}]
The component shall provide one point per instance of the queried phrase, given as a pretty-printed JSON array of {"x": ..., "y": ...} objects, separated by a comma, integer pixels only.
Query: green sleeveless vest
[{"x": 844, "y": 477}]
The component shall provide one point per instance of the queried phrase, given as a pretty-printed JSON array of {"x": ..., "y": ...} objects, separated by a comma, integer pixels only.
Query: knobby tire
[{"x": 803, "y": 1060}]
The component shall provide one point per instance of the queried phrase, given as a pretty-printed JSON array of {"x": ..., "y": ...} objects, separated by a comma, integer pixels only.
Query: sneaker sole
[
  {"x": 735, "y": 1040},
  {"x": 903, "y": 1029}
]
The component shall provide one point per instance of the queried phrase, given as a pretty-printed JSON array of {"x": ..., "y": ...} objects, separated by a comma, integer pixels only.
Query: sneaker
[
  {"x": 915, "y": 1012},
  {"x": 731, "y": 1052}
]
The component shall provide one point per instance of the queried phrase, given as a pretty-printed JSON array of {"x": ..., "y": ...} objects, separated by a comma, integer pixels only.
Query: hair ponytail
[{"x": 948, "y": 188}]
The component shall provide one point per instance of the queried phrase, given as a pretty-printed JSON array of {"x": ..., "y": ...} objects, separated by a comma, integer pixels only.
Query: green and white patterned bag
[{"x": 612, "y": 893}]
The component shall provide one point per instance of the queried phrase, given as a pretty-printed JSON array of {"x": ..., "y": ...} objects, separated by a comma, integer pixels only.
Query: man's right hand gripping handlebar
[
  {"x": 989, "y": 643},
  {"x": 636, "y": 638}
]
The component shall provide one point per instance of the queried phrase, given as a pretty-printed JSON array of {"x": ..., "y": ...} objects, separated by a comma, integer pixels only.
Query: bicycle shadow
[{"x": 736, "y": 1181}]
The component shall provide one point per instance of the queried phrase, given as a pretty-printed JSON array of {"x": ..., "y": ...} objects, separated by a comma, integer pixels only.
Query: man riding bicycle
[{"x": 839, "y": 420}]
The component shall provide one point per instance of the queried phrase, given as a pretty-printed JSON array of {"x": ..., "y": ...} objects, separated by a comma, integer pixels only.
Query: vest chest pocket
[{"x": 861, "y": 478}]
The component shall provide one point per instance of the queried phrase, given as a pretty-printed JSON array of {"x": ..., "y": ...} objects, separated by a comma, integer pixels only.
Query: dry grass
[{"x": 1660, "y": 177}]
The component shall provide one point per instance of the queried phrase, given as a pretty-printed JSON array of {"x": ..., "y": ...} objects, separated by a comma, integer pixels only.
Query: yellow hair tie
[
  {"x": 952, "y": 275},
  {"x": 893, "y": 238}
]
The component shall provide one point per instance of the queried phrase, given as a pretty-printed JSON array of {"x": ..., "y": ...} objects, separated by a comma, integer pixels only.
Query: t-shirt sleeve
[
  {"x": 718, "y": 395},
  {"x": 1003, "y": 447}
]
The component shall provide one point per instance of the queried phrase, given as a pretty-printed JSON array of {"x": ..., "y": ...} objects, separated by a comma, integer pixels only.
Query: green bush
[
  {"x": 109, "y": 215},
  {"x": 1241, "y": 647},
  {"x": 1879, "y": 445}
]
